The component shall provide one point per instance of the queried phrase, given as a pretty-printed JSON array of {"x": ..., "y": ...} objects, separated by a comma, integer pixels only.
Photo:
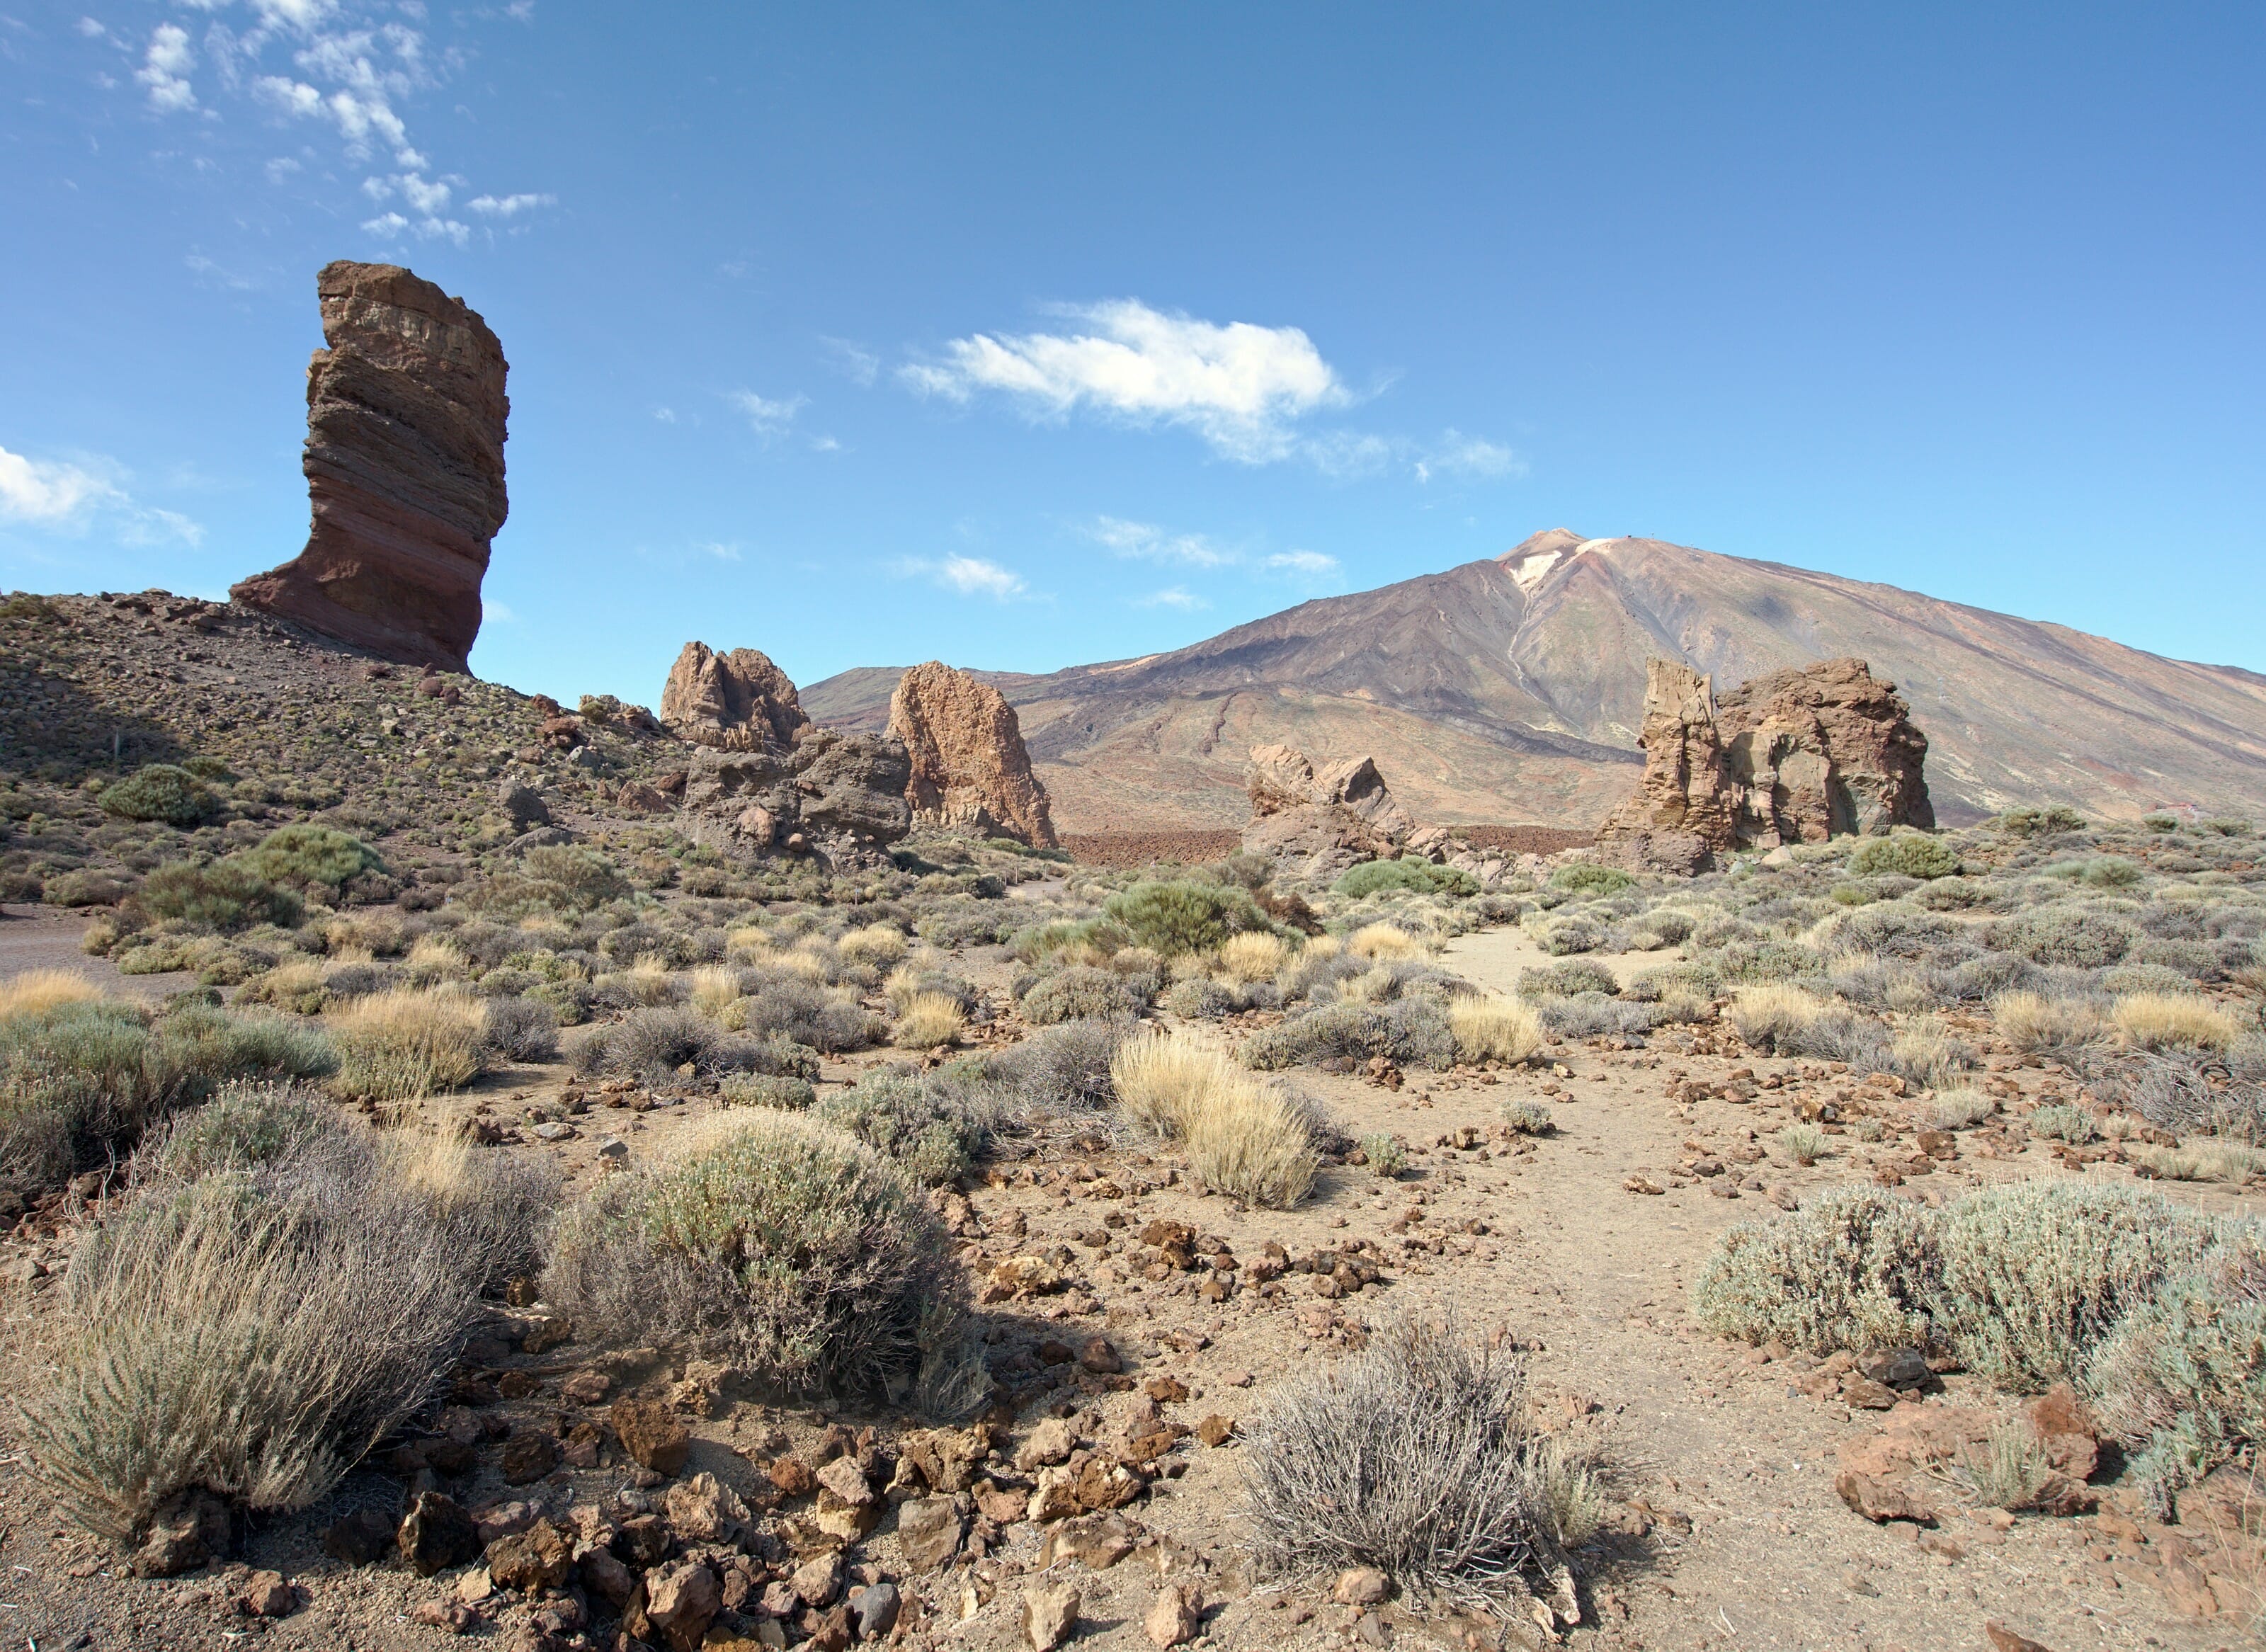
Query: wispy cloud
[
  {"x": 1172, "y": 596},
  {"x": 859, "y": 364},
  {"x": 971, "y": 576},
  {"x": 720, "y": 550},
  {"x": 1147, "y": 543},
  {"x": 765, "y": 417},
  {"x": 1455, "y": 454},
  {"x": 1308, "y": 562},
  {"x": 1240, "y": 386},
  {"x": 72, "y": 498}
]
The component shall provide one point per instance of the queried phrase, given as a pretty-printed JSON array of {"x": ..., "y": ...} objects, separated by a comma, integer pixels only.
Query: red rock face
[
  {"x": 405, "y": 414},
  {"x": 969, "y": 767},
  {"x": 1794, "y": 757},
  {"x": 738, "y": 701}
]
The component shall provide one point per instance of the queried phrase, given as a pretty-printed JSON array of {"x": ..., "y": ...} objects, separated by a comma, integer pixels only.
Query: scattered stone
[
  {"x": 603, "y": 1575},
  {"x": 1896, "y": 1367},
  {"x": 1174, "y": 1616},
  {"x": 1361, "y": 1586},
  {"x": 653, "y": 1436},
  {"x": 528, "y": 1457},
  {"x": 586, "y": 1387},
  {"x": 682, "y": 1601},
  {"x": 535, "y": 1561},
  {"x": 1881, "y": 1501},
  {"x": 1215, "y": 1430},
  {"x": 818, "y": 1580},
  {"x": 1049, "y": 1616},
  {"x": 189, "y": 1529},
  {"x": 2064, "y": 1428},
  {"x": 704, "y": 1510},
  {"x": 928, "y": 1531},
  {"x": 436, "y": 1533},
  {"x": 1050, "y": 1442},
  {"x": 1096, "y": 1354},
  {"x": 874, "y": 1610},
  {"x": 358, "y": 1539},
  {"x": 267, "y": 1594},
  {"x": 2005, "y": 1640},
  {"x": 1098, "y": 1541}
]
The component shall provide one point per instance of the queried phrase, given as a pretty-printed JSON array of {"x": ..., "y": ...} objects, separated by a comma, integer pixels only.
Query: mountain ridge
[{"x": 1511, "y": 689}]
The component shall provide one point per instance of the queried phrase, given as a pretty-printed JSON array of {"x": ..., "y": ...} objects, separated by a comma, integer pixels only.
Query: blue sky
[{"x": 1024, "y": 336}]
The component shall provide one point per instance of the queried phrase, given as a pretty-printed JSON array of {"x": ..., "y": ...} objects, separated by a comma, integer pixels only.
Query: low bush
[
  {"x": 1905, "y": 855},
  {"x": 256, "y": 1330},
  {"x": 1198, "y": 1001},
  {"x": 762, "y": 1090},
  {"x": 1854, "y": 1268},
  {"x": 1493, "y": 1029},
  {"x": 1528, "y": 1118},
  {"x": 2036, "y": 1024},
  {"x": 2059, "y": 1122},
  {"x": 1803, "y": 1144},
  {"x": 162, "y": 791},
  {"x": 407, "y": 1043},
  {"x": 1410, "y": 1030},
  {"x": 1567, "y": 980},
  {"x": 1173, "y": 918},
  {"x": 808, "y": 1256},
  {"x": 221, "y": 896},
  {"x": 1962, "y": 1109},
  {"x": 520, "y": 1029},
  {"x": 1409, "y": 874},
  {"x": 1592, "y": 882},
  {"x": 931, "y": 1140},
  {"x": 1384, "y": 1154},
  {"x": 1065, "y": 1067},
  {"x": 1085, "y": 993},
  {"x": 2062, "y": 936},
  {"x": 308, "y": 856},
  {"x": 2039, "y": 823},
  {"x": 1416, "y": 1455},
  {"x": 80, "y": 1081},
  {"x": 876, "y": 944},
  {"x": 2173, "y": 1021}
]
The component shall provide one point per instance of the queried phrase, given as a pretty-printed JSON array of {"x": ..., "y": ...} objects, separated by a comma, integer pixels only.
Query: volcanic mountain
[{"x": 1512, "y": 690}]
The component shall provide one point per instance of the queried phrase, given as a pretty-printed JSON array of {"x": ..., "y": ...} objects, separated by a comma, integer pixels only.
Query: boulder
[
  {"x": 405, "y": 415},
  {"x": 1315, "y": 824},
  {"x": 738, "y": 701},
  {"x": 836, "y": 798},
  {"x": 1049, "y": 1616},
  {"x": 651, "y": 1433},
  {"x": 969, "y": 767},
  {"x": 1794, "y": 757}
]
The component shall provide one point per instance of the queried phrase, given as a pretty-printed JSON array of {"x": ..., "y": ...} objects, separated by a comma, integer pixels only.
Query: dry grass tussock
[
  {"x": 2034, "y": 1024},
  {"x": 1769, "y": 1011},
  {"x": 1494, "y": 1029},
  {"x": 928, "y": 1020},
  {"x": 36, "y": 991},
  {"x": 1244, "y": 1136},
  {"x": 1385, "y": 942},
  {"x": 2173, "y": 1021},
  {"x": 1418, "y": 1456},
  {"x": 876, "y": 944},
  {"x": 1254, "y": 955},
  {"x": 715, "y": 988},
  {"x": 257, "y": 1327},
  {"x": 806, "y": 1252},
  {"x": 400, "y": 1045}
]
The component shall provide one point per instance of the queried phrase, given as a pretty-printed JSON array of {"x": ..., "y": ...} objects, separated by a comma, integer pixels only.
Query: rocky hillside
[{"x": 1512, "y": 690}]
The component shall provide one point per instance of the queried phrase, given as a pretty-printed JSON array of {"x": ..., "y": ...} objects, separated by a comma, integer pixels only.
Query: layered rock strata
[
  {"x": 405, "y": 416},
  {"x": 969, "y": 767},
  {"x": 1798, "y": 756}
]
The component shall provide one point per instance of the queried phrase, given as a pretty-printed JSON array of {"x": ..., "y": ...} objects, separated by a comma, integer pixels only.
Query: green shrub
[
  {"x": 1410, "y": 873},
  {"x": 792, "y": 1094},
  {"x": 1084, "y": 993},
  {"x": 1854, "y": 1269},
  {"x": 1201, "y": 1000},
  {"x": 1385, "y": 1153},
  {"x": 932, "y": 1141},
  {"x": 1413, "y": 1030},
  {"x": 222, "y": 897},
  {"x": 2058, "y": 935},
  {"x": 80, "y": 1082},
  {"x": 1176, "y": 917},
  {"x": 243, "y": 1128},
  {"x": 308, "y": 857},
  {"x": 1528, "y": 1117},
  {"x": 162, "y": 791},
  {"x": 2059, "y": 1122},
  {"x": 550, "y": 878},
  {"x": 1568, "y": 980},
  {"x": 2035, "y": 1273},
  {"x": 1589, "y": 881},
  {"x": 1903, "y": 855},
  {"x": 808, "y": 1256},
  {"x": 2039, "y": 823}
]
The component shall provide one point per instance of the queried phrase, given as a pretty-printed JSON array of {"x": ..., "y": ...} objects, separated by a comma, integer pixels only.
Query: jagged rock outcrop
[
  {"x": 738, "y": 701},
  {"x": 1794, "y": 757},
  {"x": 1315, "y": 824},
  {"x": 969, "y": 767},
  {"x": 839, "y": 799},
  {"x": 405, "y": 416}
]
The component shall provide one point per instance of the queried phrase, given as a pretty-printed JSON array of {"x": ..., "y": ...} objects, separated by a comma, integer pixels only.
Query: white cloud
[
  {"x": 824, "y": 444},
  {"x": 1172, "y": 596},
  {"x": 165, "y": 70},
  {"x": 1238, "y": 385},
  {"x": 510, "y": 205},
  {"x": 1457, "y": 454},
  {"x": 1147, "y": 543},
  {"x": 291, "y": 97},
  {"x": 59, "y": 497},
  {"x": 49, "y": 494},
  {"x": 766, "y": 417},
  {"x": 971, "y": 576},
  {"x": 282, "y": 167},
  {"x": 1311, "y": 562},
  {"x": 667, "y": 415}
]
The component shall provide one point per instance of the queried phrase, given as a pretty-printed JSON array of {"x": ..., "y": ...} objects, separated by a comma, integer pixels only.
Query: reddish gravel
[
  {"x": 1523, "y": 840},
  {"x": 1141, "y": 849}
]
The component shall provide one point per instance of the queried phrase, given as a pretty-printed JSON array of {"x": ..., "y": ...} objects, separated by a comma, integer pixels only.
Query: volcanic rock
[
  {"x": 738, "y": 701},
  {"x": 837, "y": 798},
  {"x": 1794, "y": 757},
  {"x": 1315, "y": 824},
  {"x": 969, "y": 767},
  {"x": 406, "y": 414}
]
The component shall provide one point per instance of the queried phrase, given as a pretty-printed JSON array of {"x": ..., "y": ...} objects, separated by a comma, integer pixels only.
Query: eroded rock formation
[
  {"x": 1314, "y": 824},
  {"x": 738, "y": 701},
  {"x": 969, "y": 767},
  {"x": 1794, "y": 756},
  {"x": 405, "y": 414}
]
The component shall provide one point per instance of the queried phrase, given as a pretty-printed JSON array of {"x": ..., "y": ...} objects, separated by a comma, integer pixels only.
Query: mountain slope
[{"x": 1512, "y": 690}]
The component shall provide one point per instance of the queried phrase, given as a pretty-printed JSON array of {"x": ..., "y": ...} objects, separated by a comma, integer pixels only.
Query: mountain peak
[{"x": 1534, "y": 555}]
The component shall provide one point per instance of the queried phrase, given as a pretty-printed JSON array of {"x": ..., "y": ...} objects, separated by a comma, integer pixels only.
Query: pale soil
[
  {"x": 1592, "y": 1279},
  {"x": 47, "y": 938}
]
